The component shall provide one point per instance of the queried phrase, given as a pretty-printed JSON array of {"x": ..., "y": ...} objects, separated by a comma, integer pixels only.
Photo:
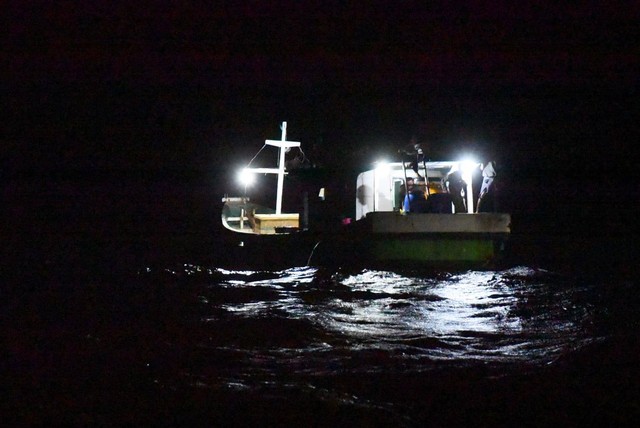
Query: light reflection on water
[
  {"x": 516, "y": 315},
  {"x": 392, "y": 347}
]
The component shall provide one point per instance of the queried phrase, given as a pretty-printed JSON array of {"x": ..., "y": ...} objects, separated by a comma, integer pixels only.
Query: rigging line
[
  {"x": 256, "y": 155},
  {"x": 304, "y": 157}
]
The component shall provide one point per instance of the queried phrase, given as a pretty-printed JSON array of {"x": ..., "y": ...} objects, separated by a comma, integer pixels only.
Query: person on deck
[
  {"x": 487, "y": 201},
  {"x": 438, "y": 201},
  {"x": 414, "y": 156},
  {"x": 414, "y": 201},
  {"x": 456, "y": 187},
  {"x": 418, "y": 160}
]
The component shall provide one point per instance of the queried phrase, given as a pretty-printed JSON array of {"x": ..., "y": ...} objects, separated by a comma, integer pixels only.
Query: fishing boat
[
  {"x": 459, "y": 228},
  {"x": 240, "y": 215},
  {"x": 453, "y": 227},
  {"x": 263, "y": 235}
]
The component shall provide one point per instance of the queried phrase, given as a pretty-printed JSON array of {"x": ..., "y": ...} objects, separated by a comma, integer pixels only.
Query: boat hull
[
  {"x": 436, "y": 239},
  {"x": 387, "y": 239},
  {"x": 435, "y": 250},
  {"x": 395, "y": 223}
]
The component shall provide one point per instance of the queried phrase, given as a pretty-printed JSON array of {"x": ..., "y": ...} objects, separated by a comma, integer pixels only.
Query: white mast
[{"x": 282, "y": 144}]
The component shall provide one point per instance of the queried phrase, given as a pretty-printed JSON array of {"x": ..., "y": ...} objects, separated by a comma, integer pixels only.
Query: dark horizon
[
  {"x": 120, "y": 127},
  {"x": 125, "y": 87}
]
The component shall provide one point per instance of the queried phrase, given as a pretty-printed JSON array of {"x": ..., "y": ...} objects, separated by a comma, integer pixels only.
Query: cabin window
[{"x": 398, "y": 194}]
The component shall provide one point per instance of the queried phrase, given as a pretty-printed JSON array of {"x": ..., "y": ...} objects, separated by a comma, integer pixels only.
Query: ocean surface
[
  {"x": 110, "y": 317},
  {"x": 198, "y": 345}
]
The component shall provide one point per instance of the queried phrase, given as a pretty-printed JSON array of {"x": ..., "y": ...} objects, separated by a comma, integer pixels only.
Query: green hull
[
  {"x": 466, "y": 240},
  {"x": 447, "y": 251}
]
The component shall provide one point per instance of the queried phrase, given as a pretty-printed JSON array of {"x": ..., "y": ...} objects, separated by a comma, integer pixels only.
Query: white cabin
[{"x": 381, "y": 189}]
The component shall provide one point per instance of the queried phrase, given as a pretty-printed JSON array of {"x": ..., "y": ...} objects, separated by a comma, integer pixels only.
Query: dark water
[
  {"x": 117, "y": 309},
  {"x": 194, "y": 345}
]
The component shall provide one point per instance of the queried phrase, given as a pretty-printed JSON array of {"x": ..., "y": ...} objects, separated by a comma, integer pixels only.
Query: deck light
[
  {"x": 246, "y": 178},
  {"x": 382, "y": 166},
  {"x": 467, "y": 166}
]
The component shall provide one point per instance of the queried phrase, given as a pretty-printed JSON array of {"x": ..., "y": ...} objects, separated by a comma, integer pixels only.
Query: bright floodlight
[
  {"x": 382, "y": 166},
  {"x": 468, "y": 165},
  {"x": 247, "y": 178}
]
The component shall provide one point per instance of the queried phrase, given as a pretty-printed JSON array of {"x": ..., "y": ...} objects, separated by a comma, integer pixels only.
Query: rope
[{"x": 256, "y": 155}]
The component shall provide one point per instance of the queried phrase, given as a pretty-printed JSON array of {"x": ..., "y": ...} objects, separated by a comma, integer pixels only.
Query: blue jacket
[{"x": 414, "y": 202}]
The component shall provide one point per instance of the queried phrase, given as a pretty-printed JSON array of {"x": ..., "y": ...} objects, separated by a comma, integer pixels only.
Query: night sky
[
  {"x": 188, "y": 89},
  {"x": 179, "y": 85}
]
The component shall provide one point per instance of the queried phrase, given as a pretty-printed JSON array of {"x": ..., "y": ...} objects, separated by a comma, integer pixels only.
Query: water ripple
[{"x": 516, "y": 315}]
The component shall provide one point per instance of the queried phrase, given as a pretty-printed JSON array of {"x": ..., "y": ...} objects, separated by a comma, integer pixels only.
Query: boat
[
  {"x": 463, "y": 232},
  {"x": 242, "y": 216},
  {"x": 457, "y": 232},
  {"x": 266, "y": 236}
]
